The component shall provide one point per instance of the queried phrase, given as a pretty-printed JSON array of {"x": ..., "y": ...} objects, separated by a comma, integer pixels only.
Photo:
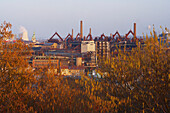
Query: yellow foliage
[{"x": 131, "y": 82}]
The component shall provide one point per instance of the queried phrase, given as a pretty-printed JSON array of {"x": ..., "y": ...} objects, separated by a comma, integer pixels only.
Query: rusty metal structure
[
  {"x": 74, "y": 43},
  {"x": 55, "y": 40},
  {"x": 105, "y": 46}
]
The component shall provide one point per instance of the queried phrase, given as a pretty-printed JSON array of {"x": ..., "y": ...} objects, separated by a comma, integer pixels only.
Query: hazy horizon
[{"x": 44, "y": 17}]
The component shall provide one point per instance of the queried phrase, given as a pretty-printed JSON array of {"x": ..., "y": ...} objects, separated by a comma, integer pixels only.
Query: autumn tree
[
  {"x": 136, "y": 81},
  {"x": 140, "y": 77},
  {"x": 24, "y": 89},
  {"x": 16, "y": 77}
]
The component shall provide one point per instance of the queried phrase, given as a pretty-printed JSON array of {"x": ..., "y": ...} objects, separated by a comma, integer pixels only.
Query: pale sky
[{"x": 44, "y": 17}]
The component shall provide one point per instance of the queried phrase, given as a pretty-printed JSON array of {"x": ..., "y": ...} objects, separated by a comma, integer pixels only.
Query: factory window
[{"x": 98, "y": 44}]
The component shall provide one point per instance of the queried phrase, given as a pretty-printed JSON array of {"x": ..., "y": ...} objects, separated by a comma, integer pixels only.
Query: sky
[{"x": 45, "y": 17}]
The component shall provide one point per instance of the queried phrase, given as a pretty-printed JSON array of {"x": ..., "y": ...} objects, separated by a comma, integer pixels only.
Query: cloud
[
  {"x": 23, "y": 33},
  {"x": 22, "y": 29}
]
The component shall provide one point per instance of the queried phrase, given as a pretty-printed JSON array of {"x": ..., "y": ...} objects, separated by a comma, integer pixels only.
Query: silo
[{"x": 78, "y": 61}]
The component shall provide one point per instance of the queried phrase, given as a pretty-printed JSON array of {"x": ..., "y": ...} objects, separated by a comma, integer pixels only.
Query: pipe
[
  {"x": 134, "y": 30},
  {"x": 111, "y": 35},
  {"x": 72, "y": 34},
  {"x": 81, "y": 29},
  {"x": 90, "y": 31}
]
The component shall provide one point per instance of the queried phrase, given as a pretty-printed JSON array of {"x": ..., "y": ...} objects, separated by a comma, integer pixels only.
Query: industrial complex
[{"x": 75, "y": 55}]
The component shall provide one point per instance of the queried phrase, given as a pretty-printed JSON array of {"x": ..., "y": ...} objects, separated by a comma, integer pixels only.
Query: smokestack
[
  {"x": 72, "y": 34},
  {"x": 134, "y": 30},
  {"x": 90, "y": 31},
  {"x": 81, "y": 29},
  {"x": 111, "y": 35}
]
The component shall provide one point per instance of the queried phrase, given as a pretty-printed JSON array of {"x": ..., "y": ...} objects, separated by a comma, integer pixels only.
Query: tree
[
  {"x": 16, "y": 76},
  {"x": 136, "y": 81},
  {"x": 141, "y": 77}
]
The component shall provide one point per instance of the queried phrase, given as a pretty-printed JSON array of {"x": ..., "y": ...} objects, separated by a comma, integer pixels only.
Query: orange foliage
[{"x": 134, "y": 82}]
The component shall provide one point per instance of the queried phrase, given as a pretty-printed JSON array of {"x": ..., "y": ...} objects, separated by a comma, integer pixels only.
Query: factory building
[
  {"x": 103, "y": 48},
  {"x": 87, "y": 46},
  {"x": 83, "y": 51},
  {"x": 45, "y": 61}
]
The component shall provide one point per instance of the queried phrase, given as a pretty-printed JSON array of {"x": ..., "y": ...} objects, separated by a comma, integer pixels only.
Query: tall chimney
[
  {"x": 81, "y": 29},
  {"x": 72, "y": 34},
  {"x": 111, "y": 35},
  {"x": 134, "y": 30},
  {"x": 90, "y": 31}
]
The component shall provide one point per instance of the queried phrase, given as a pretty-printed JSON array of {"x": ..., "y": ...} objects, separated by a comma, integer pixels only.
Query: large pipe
[
  {"x": 81, "y": 29},
  {"x": 134, "y": 30},
  {"x": 111, "y": 35},
  {"x": 72, "y": 34},
  {"x": 90, "y": 31}
]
